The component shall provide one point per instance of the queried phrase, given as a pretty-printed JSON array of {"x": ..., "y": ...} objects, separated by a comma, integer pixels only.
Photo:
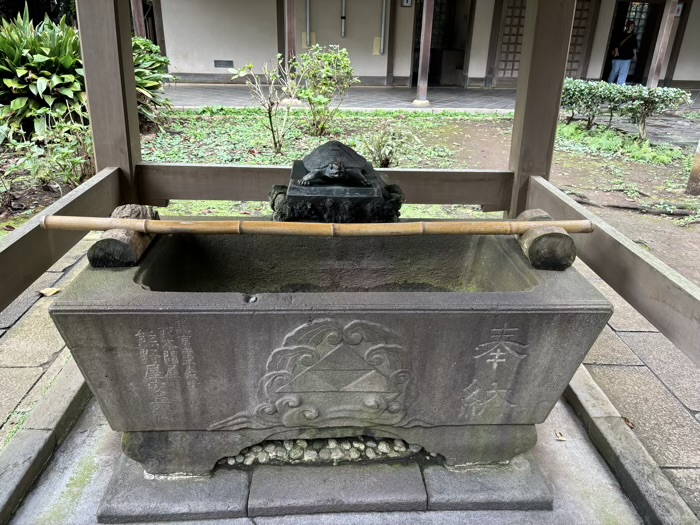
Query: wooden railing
[
  {"x": 160, "y": 182},
  {"x": 668, "y": 300}
]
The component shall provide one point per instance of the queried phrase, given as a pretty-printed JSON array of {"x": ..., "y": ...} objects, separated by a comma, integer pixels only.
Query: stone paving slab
[
  {"x": 33, "y": 341},
  {"x": 663, "y": 425},
  {"x": 625, "y": 318},
  {"x": 687, "y": 483},
  {"x": 609, "y": 349},
  {"x": 518, "y": 485},
  {"x": 14, "y": 385},
  {"x": 26, "y": 300},
  {"x": 670, "y": 364},
  {"x": 130, "y": 498},
  {"x": 282, "y": 490},
  {"x": 20, "y": 464}
]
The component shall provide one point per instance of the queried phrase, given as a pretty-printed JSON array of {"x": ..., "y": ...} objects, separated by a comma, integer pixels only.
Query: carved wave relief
[{"x": 326, "y": 374}]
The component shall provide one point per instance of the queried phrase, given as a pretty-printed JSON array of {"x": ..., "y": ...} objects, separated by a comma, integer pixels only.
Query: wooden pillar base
[{"x": 421, "y": 103}]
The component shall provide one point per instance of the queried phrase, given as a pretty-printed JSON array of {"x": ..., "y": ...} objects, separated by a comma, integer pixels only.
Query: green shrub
[
  {"x": 641, "y": 102},
  {"x": 62, "y": 153},
  {"x": 39, "y": 68},
  {"x": 151, "y": 71},
  {"x": 589, "y": 98},
  {"x": 326, "y": 75},
  {"x": 385, "y": 144}
]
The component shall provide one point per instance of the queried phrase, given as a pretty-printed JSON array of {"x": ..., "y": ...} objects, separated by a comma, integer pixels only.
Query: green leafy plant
[
  {"x": 384, "y": 145},
  {"x": 592, "y": 98},
  {"x": 151, "y": 71},
  {"x": 326, "y": 76},
  {"x": 62, "y": 153},
  {"x": 641, "y": 102},
  {"x": 40, "y": 67},
  {"x": 275, "y": 95}
]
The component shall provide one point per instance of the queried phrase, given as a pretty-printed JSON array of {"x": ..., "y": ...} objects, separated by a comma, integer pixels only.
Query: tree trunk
[{"x": 693, "y": 187}]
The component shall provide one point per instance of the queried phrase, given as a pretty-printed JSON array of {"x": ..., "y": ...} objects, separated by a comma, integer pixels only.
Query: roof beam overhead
[
  {"x": 543, "y": 59},
  {"x": 105, "y": 36}
]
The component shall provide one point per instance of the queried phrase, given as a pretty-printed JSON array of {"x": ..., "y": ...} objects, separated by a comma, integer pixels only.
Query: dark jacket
[{"x": 626, "y": 44}]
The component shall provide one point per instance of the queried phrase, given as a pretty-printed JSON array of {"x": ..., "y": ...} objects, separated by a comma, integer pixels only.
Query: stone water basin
[{"x": 215, "y": 343}]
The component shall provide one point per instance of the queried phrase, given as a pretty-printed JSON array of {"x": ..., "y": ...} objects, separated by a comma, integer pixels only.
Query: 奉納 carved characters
[{"x": 334, "y": 163}]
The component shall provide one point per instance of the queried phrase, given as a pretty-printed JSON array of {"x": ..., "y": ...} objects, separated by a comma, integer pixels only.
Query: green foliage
[
  {"x": 590, "y": 98},
  {"x": 326, "y": 75},
  {"x": 274, "y": 95},
  {"x": 386, "y": 143},
  {"x": 151, "y": 71},
  {"x": 62, "y": 154},
  {"x": 642, "y": 102},
  {"x": 40, "y": 67},
  {"x": 576, "y": 138}
]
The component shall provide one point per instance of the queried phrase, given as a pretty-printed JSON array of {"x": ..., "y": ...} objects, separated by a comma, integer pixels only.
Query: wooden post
[
  {"x": 105, "y": 36},
  {"x": 543, "y": 60},
  {"x": 426, "y": 36},
  {"x": 657, "y": 59},
  {"x": 693, "y": 187},
  {"x": 160, "y": 32},
  {"x": 137, "y": 17},
  {"x": 291, "y": 30}
]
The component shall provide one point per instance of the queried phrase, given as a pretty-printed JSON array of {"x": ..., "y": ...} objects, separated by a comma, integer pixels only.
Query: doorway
[
  {"x": 450, "y": 21},
  {"x": 647, "y": 19}
]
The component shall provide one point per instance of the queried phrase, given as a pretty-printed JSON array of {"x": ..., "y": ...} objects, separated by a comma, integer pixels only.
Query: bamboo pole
[{"x": 56, "y": 222}]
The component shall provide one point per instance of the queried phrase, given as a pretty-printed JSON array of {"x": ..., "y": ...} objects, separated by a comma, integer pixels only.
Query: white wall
[
  {"x": 197, "y": 33},
  {"x": 479, "y": 54},
  {"x": 363, "y": 25},
  {"x": 403, "y": 39},
  {"x": 688, "y": 65},
  {"x": 600, "y": 39}
]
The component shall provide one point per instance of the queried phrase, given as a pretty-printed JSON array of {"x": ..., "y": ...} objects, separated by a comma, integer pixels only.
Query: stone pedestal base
[
  {"x": 292, "y": 489},
  {"x": 197, "y": 452}
]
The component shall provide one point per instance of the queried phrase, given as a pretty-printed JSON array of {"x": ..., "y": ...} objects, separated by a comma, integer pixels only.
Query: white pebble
[
  {"x": 371, "y": 443},
  {"x": 332, "y": 443},
  {"x": 256, "y": 449},
  {"x": 240, "y": 458},
  {"x": 358, "y": 445},
  {"x": 302, "y": 443},
  {"x": 337, "y": 453},
  {"x": 296, "y": 453},
  {"x": 415, "y": 448},
  {"x": 370, "y": 453},
  {"x": 270, "y": 447},
  {"x": 353, "y": 453},
  {"x": 249, "y": 459},
  {"x": 231, "y": 461},
  {"x": 345, "y": 444},
  {"x": 383, "y": 447},
  {"x": 288, "y": 444},
  {"x": 263, "y": 457},
  {"x": 310, "y": 455}
]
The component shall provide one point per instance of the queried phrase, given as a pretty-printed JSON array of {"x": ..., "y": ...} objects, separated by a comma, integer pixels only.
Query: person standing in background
[{"x": 623, "y": 53}]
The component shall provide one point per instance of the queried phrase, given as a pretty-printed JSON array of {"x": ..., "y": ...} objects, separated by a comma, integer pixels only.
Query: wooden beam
[
  {"x": 137, "y": 18},
  {"x": 494, "y": 42},
  {"x": 291, "y": 18},
  {"x": 105, "y": 35},
  {"x": 426, "y": 37},
  {"x": 662, "y": 40},
  {"x": 391, "y": 44},
  {"x": 667, "y": 299},
  {"x": 678, "y": 42},
  {"x": 281, "y": 30},
  {"x": 29, "y": 251},
  {"x": 693, "y": 187},
  {"x": 160, "y": 32},
  {"x": 157, "y": 182},
  {"x": 544, "y": 56},
  {"x": 471, "y": 10}
]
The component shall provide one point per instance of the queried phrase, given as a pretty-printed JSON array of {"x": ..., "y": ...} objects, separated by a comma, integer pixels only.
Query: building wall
[
  {"x": 688, "y": 65},
  {"x": 403, "y": 43},
  {"x": 197, "y": 33},
  {"x": 479, "y": 54},
  {"x": 363, "y": 26},
  {"x": 600, "y": 39}
]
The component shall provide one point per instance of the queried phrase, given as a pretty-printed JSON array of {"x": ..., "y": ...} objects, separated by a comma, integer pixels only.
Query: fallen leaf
[
  {"x": 628, "y": 423},
  {"x": 48, "y": 292},
  {"x": 245, "y": 213},
  {"x": 9, "y": 228},
  {"x": 559, "y": 436}
]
